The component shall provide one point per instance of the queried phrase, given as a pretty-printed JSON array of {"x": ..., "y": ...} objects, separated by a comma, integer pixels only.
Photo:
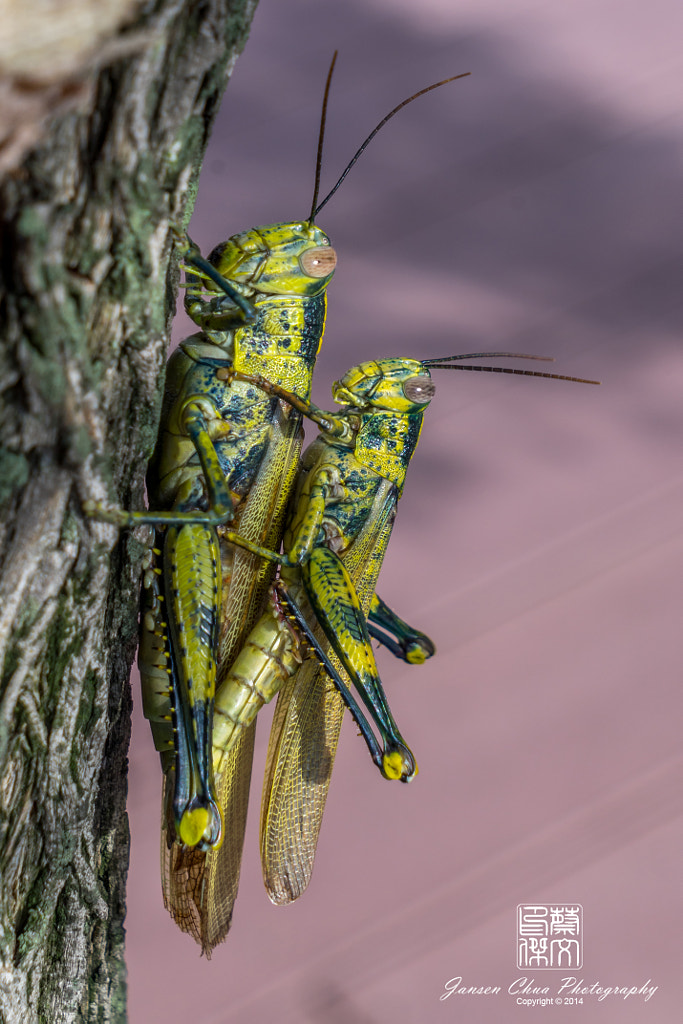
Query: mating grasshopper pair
[{"x": 219, "y": 636}]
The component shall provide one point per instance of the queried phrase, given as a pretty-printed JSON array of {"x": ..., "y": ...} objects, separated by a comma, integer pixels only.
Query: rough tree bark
[{"x": 86, "y": 304}]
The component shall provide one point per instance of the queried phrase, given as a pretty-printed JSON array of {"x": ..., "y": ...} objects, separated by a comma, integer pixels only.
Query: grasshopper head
[
  {"x": 278, "y": 259},
  {"x": 397, "y": 385}
]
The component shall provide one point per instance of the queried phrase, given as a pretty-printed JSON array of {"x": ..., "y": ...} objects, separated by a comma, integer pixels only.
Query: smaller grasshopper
[{"x": 335, "y": 540}]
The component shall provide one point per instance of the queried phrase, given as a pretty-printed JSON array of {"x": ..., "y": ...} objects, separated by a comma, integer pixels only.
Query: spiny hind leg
[
  {"x": 192, "y": 585},
  {"x": 177, "y": 687},
  {"x": 333, "y": 598}
]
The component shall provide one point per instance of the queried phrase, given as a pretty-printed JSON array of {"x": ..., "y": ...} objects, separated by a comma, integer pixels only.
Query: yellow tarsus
[
  {"x": 193, "y": 825},
  {"x": 393, "y": 765},
  {"x": 416, "y": 657}
]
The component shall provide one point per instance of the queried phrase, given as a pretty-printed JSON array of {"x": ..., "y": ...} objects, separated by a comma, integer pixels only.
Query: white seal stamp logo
[{"x": 549, "y": 936}]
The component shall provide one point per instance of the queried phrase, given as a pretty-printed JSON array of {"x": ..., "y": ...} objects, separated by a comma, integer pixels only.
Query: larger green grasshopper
[
  {"x": 336, "y": 536},
  {"x": 225, "y": 462}
]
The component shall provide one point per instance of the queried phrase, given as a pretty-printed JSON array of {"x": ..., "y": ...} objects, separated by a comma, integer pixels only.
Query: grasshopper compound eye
[
  {"x": 419, "y": 389},
  {"x": 318, "y": 262}
]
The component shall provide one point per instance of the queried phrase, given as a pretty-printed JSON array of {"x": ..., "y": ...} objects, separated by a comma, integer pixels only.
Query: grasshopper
[
  {"x": 225, "y": 464},
  {"x": 345, "y": 502}
]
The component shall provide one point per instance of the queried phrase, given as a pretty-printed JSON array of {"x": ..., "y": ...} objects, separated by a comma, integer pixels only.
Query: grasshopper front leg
[{"x": 199, "y": 269}]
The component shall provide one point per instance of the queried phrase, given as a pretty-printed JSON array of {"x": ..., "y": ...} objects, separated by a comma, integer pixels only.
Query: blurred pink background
[{"x": 535, "y": 206}]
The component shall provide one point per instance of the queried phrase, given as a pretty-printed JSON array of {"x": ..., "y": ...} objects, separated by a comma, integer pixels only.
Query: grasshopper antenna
[
  {"x": 321, "y": 139},
  {"x": 438, "y": 363},
  {"x": 487, "y": 355},
  {"x": 318, "y": 208}
]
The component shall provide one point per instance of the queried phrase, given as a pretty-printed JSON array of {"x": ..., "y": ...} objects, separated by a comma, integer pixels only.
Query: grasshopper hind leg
[
  {"x": 407, "y": 643},
  {"x": 335, "y": 602},
  {"x": 192, "y": 602}
]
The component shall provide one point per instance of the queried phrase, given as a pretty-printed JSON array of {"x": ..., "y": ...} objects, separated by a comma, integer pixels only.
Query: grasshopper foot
[
  {"x": 418, "y": 649},
  {"x": 399, "y": 763},
  {"x": 201, "y": 825}
]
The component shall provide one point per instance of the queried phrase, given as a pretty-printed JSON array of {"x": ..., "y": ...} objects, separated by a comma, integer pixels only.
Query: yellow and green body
[{"x": 335, "y": 540}]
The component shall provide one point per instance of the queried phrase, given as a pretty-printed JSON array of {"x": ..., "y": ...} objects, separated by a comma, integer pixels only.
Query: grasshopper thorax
[{"x": 278, "y": 259}]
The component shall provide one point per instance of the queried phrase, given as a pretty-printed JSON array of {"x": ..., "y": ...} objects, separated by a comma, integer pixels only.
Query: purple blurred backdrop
[{"x": 535, "y": 206}]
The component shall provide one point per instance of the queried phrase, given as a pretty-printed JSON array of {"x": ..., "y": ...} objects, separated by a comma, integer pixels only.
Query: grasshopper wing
[
  {"x": 302, "y": 748},
  {"x": 305, "y": 732},
  {"x": 200, "y": 888}
]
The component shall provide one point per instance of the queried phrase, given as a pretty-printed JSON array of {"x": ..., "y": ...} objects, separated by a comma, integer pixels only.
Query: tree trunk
[{"x": 86, "y": 308}]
